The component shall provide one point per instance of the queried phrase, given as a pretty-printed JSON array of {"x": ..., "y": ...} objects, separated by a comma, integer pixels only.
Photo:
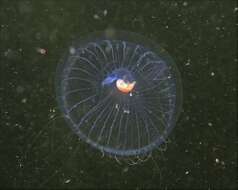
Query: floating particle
[
  {"x": 125, "y": 169},
  {"x": 24, "y": 100},
  {"x": 72, "y": 50},
  {"x": 209, "y": 124},
  {"x": 96, "y": 17},
  {"x": 212, "y": 73},
  {"x": 20, "y": 89},
  {"x": 185, "y": 3},
  {"x": 67, "y": 181},
  {"x": 105, "y": 12},
  {"x": 41, "y": 51}
]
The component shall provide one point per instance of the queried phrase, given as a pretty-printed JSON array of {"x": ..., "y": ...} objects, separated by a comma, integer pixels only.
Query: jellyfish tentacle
[
  {"x": 92, "y": 53},
  {"x": 125, "y": 131},
  {"x": 132, "y": 56},
  {"x": 117, "y": 44},
  {"x": 154, "y": 74},
  {"x": 123, "y": 53},
  {"x": 152, "y": 113},
  {"x": 138, "y": 62},
  {"x": 112, "y": 51},
  {"x": 150, "y": 75},
  {"x": 120, "y": 121},
  {"x": 93, "y": 109},
  {"x": 148, "y": 78},
  {"x": 127, "y": 112},
  {"x": 148, "y": 63},
  {"x": 87, "y": 49},
  {"x": 98, "y": 118},
  {"x": 84, "y": 71},
  {"x": 75, "y": 90},
  {"x": 163, "y": 112},
  {"x": 99, "y": 60},
  {"x": 151, "y": 87},
  {"x": 77, "y": 78},
  {"x": 146, "y": 125},
  {"x": 152, "y": 98},
  {"x": 138, "y": 130},
  {"x": 88, "y": 61},
  {"x": 152, "y": 123},
  {"x": 80, "y": 102},
  {"x": 141, "y": 114},
  {"x": 119, "y": 55},
  {"x": 104, "y": 124},
  {"x": 101, "y": 50},
  {"x": 112, "y": 125}
]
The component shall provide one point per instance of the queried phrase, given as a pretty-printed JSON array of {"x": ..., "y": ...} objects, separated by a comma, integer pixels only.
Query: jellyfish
[{"x": 119, "y": 92}]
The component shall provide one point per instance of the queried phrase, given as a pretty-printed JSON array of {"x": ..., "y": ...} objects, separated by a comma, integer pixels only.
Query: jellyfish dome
[{"x": 119, "y": 92}]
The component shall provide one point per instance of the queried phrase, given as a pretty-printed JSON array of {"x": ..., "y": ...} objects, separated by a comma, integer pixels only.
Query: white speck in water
[
  {"x": 96, "y": 17},
  {"x": 24, "y": 100},
  {"x": 175, "y": 4},
  {"x": 67, "y": 181},
  {"x": 41, "y": 51},
  {"x": 188, "y": 62},
  {"x": 209, "y": 124},
  {"x": 21, "y": 165},
  {"x": 125, "y": 169},
  {"x": 105, "y": 12},
  {"x": 52, "y": 116},
  {"x": 72, "y": 50},
  {"x": 7, "y": 52},
  {"x": 20, "y": 89},
  {"x": 18, "y": 125},
  {"x": 108, "y": 49},
  {"x": 217, "y": 160},
  {"x": 52, "y": 110},
  {"x": 187, "y": 117},
  {"x": 185, "y": 3},
  {"x": 117, "y": 106},
  {"x": 130, "y": 94},
  {"x": 212, "y": 73},
  {"x": 187, "y": 172},
  {"x": 126, "y": 111}
]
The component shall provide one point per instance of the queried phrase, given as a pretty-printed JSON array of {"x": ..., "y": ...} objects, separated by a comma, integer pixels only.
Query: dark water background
[{"x": 37, "y": 150}]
